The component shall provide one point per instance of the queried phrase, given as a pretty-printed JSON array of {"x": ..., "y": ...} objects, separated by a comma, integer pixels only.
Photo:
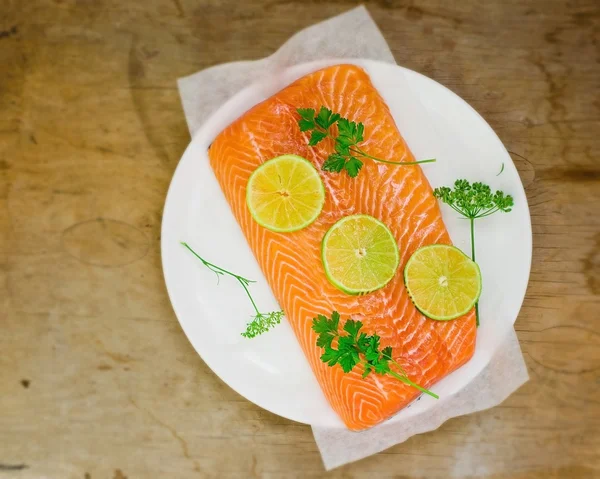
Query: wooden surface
[{"x": 97, "y": 379}]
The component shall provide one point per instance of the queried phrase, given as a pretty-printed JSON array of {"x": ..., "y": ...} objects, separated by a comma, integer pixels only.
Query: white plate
[{"x": 271, "y": 370}]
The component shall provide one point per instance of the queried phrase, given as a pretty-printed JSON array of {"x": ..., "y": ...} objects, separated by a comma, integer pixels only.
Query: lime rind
[
  {"x": 301, "y": 173},
  {"x": 379, "y": 263},
  {"x": 416, "y": 287}
]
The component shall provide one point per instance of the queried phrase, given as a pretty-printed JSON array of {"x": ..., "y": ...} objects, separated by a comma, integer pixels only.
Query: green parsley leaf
[
  {"x": 360, "y": 132},
  {"x": 343, "y": 144},
  {"x": 347, "y": 362},
  {"x": 324, "y": 340},
  {"x": 306, "y": 113},
  {"x": 316, "y": 136},
  {"x": 322, "y": 118},
  {"x": 326, "y": 118},
  {"x": 306, "y": 125},
  {"x": 353, "y": 166},
  {"x": 362, "y": 342},
  {"x": 322, "y": 324},
  {"x": 352, "y": 328},
  {"x": 382, "y": 366},
  {"x": 387, "y": 352},
  {"x": 307, "y": 119},
  {"x": 330, "y": 356},
  {"x": 372, "y": 350},
  {"x": 345, "y": 343},
  {"x": 334, "y": 163},
  {"x": 345, "y": 127}
]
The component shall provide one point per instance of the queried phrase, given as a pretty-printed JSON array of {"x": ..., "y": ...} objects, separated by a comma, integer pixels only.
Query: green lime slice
[
  {"x": 285, "y": 194},
  {"x": 359, "y": 254},
  {"x": 442, "y": 281}
]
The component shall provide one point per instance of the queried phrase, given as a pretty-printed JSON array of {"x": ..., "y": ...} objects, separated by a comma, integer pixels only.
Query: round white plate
[{"x": 270, "y": 370}]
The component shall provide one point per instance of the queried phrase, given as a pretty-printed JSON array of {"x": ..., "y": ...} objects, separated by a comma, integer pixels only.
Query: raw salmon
[{"x": 400, "y": 196}]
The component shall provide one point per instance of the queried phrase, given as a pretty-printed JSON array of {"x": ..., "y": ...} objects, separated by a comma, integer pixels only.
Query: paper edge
[{"x": 511, "y": 346}]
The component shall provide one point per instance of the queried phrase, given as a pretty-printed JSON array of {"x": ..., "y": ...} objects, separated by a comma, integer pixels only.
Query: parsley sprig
[
  {"x": 347, "y": 152},
  {"x": 261, "y": 322},
  {"x": 474, "y": 201},
  {"x": 355, "y": 347}
]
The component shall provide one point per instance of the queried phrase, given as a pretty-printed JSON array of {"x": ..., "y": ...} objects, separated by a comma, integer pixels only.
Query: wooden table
[{"x": 97, "y": 379}]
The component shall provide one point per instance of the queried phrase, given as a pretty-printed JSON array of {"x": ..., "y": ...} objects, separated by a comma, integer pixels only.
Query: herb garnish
[
  {"x": 261, "y": 322},
  {"x": 355, "y": 348},
  {"x": 347, "y": 152},
  {"x": 473, "y": 202}
]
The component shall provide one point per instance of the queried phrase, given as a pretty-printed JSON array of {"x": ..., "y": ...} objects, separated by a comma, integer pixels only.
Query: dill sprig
[
  {"x": 474, "y": 201},
  {"x": 261, "y": 322}
]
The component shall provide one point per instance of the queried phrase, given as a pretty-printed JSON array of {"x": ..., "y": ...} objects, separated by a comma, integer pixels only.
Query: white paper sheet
[{"x": 352, "y": 35}]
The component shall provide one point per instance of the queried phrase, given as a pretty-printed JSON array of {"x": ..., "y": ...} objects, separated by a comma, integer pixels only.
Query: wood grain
[{"x": 96, "y": 377}]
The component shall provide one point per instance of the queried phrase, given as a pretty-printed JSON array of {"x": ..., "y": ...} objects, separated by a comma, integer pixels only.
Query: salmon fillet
[{"x": 399, "y": 196}]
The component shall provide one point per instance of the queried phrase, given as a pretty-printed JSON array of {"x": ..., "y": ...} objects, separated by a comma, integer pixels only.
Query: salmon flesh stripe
[{"x": 399, "y": 196}]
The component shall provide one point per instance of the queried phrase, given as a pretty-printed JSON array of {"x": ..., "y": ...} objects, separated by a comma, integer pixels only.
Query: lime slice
[
  {"x": 360, "y": 254},
  {"x": 442, "y": 281},
  {"x": 285, "y": 194}
]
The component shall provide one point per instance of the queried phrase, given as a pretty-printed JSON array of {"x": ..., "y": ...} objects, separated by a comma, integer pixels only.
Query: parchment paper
[{"x": 352, "y": 35}]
